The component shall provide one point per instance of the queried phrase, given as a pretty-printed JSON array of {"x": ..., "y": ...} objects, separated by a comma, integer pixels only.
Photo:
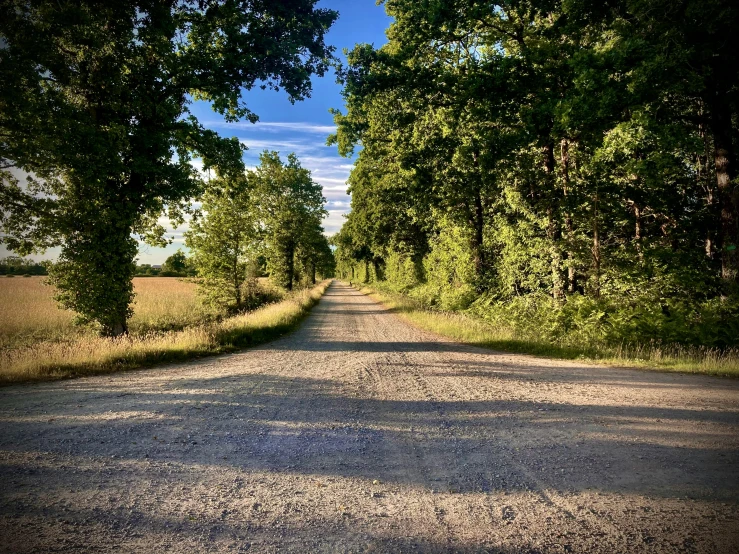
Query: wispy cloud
[{"x": 276, "y": 126}]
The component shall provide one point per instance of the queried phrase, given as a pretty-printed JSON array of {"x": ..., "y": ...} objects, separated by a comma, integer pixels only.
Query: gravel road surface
[{"x": 360, "y": 433}]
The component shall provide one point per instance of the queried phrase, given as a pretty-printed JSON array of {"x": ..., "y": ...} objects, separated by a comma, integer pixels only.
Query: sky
[{"x": 301, "y": 127}]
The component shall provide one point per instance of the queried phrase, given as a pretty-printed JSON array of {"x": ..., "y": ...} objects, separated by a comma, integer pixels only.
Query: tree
[
  {"x": 548, "y": 158},
  {"x": 314, "y": 255},
  {"x": 290, "y": 207},
  {"x": 93, "y": 108},
  {"x": 222, "y": 237},
  {"x": 176, "y": 265}
]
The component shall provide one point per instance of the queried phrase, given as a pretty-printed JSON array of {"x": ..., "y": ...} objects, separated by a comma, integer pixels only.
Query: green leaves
[
  {"x": 290, "y": 207},
  {"x": 94, "y": 106},
  {"x": 545, "y": 155}
]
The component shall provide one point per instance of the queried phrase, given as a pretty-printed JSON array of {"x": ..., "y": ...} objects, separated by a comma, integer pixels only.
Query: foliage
[
  {"x": 565, "y": 167},
  {"x": 178, "y": 265},
  {"x": 15, "y": 265},
  {"x": 224, "y": 246},
  {"x": 94, "y": 114},
  {"x": 270, "y": 216},
  {"x": 289, "y": 207}
]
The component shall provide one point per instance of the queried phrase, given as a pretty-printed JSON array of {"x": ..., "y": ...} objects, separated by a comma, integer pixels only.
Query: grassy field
[
  {"x": 38, "y": 341},
  {"x": 30, "y": 315},
  {"x": 471, "y": 330}
]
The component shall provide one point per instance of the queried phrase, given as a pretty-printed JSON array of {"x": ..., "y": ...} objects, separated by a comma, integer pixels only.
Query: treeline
[
  {"x": 567, "y": 168},
  {"x": 15, "y": 265},
  {"x": 265, "y": 221},
  {"x": 97, "y": 134},
  {"x": 176, "y": 265}
]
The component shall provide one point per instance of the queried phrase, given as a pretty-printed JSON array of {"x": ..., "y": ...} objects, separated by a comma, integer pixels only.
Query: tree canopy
[
  {"x": 511, "y": 152},
  {"x": 94, "y": 109}
]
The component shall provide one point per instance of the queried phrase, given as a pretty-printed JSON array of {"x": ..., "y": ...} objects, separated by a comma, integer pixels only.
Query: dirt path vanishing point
[{"x": 359, "y": 433}]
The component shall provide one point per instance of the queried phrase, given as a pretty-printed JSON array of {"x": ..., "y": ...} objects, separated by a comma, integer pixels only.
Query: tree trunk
[
  {"x": 596, "y": 249},
  {"x": 638, "y": 233},
  {"x": 478, "y": 225},
  {"x": 290, "y": 266},
  {"x": 728, "y": 193},
  {"x": 704, "y": 180},
  {"x": 237, "y": 288},
  {"x": 553, "y": 230},
  {"x": 476, "y": 240},
  {"x": 118, "y": 329},
  {"x": 313, "y": 273},
  {"x": 569, "y": 227}
]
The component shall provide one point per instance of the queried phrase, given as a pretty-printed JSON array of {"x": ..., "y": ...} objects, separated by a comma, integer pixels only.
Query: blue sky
[{"x": 301, "y": 127}]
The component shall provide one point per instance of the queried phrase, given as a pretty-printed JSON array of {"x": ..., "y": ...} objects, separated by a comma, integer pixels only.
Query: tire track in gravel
[{"x": 360, "y": 433}]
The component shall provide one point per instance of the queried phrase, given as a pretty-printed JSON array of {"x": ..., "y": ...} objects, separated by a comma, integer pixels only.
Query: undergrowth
[{"x": 469, "y": 328}]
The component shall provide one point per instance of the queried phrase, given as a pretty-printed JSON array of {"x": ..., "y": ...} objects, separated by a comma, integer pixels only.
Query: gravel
[{"x": 360, "y": 433}]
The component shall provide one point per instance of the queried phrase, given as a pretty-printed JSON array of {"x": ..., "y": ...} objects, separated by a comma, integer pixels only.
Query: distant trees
[
  {"x": 222, "y": 238},
  {"x": 289, "y": 206},
  {"x": 177, "y": 265},
  {"x": 15, "y": 265},
  {"x": 269, "y": 216},
  {"x": 94, "y": 109},
  {"x": 548, "y": 160}
]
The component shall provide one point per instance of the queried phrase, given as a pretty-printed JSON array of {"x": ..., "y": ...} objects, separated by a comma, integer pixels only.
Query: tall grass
[
  {"x": 30, "y": 315},
  {"x": 468, "y": 329},
  {"x": 89, "y": 354}
]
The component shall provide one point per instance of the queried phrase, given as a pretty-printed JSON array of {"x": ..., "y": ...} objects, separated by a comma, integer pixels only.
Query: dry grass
[
  {"x": 30, "y": 314},
  {"x": 68, "y": 354},
  {"x": 470, "y": 330}
]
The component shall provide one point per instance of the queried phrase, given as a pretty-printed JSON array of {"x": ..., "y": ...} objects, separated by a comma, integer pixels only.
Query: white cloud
[
  {"x": 276, "y": 126},
  {"x": 331, "y": 181}
]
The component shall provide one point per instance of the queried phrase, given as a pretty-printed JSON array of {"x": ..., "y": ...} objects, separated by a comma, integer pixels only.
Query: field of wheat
[
  {"x": 29, "y": 313},
  {"x": 39, "y": 341}
]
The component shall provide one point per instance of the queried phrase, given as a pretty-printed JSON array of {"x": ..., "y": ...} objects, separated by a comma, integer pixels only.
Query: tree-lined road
[{"x": 360, "y": 433}]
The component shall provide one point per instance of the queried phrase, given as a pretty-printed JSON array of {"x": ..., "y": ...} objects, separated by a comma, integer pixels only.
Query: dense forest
[{"x": 565, "y": 167}]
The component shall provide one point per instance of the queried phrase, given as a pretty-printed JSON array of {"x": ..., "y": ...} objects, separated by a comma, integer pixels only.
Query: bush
[{"x": 585, "y": 321}]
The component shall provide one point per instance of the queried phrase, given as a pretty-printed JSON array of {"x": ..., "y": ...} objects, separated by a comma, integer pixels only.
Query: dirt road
[{"x": 359, "y": 433}]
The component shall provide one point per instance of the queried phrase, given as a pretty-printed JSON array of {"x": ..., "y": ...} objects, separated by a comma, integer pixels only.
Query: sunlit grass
[
  {"x": 30, "y": 315},
  {"x": 85, "y": 354},
  {"x": 470, "y": 330}
]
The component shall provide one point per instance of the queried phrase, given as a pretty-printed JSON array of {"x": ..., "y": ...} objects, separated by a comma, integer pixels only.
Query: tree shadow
[{"x": 312, "y": 426}]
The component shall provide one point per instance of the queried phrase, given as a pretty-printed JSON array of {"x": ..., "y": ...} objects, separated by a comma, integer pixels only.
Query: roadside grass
[
  {"x": 471, "y": 330},
  {"x": 88, "y": 355}
]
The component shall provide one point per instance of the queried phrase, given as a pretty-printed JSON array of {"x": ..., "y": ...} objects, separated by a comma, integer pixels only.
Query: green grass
[
  {"x": 471, "y": 330},
  {"x": 89, "y": 355}
]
